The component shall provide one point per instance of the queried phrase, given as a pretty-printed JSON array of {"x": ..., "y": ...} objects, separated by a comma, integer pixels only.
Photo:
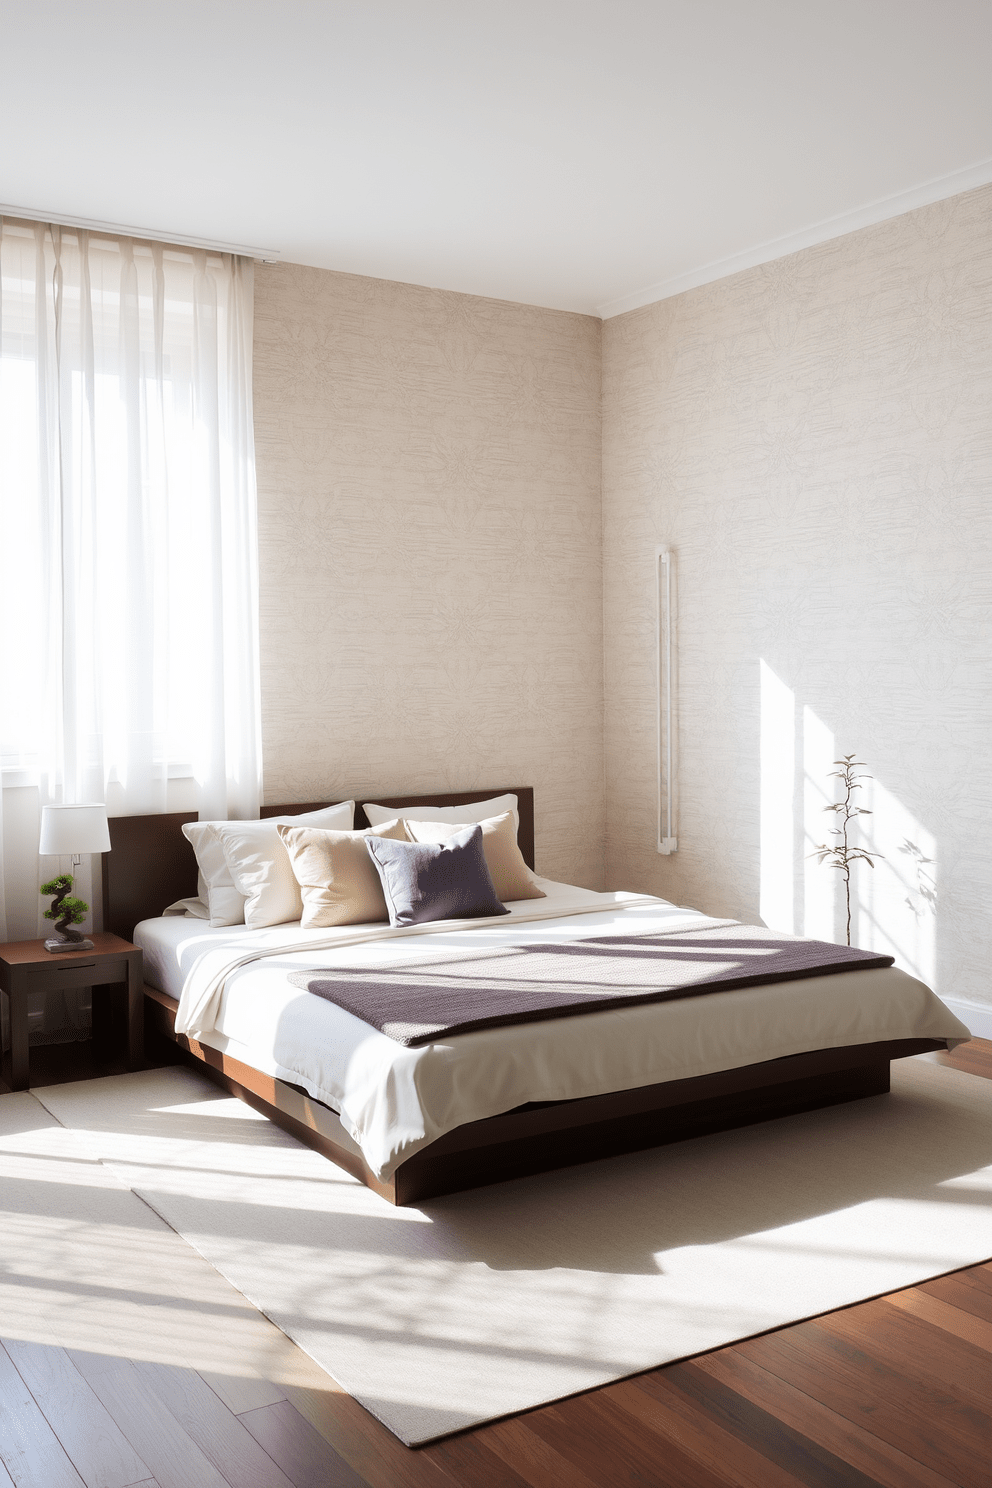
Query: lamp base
[{"x": 55, "y": 944}]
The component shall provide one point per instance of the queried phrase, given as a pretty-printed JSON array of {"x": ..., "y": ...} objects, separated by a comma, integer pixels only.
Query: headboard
[{"x": 151, "y": 864}]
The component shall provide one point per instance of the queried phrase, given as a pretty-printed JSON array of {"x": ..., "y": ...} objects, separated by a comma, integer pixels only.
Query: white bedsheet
[{"x": 234, "y": 994}]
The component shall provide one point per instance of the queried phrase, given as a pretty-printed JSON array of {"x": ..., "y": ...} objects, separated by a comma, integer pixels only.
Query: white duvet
[{"x": 234, "y": 994}]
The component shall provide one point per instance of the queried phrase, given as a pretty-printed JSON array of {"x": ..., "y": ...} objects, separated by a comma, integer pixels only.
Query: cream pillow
[
  {"x": 245, "y": 859},
  {"x": 475, "y": 811},
  {"x": 511, "y": 877},
  {"x": 337, "y": 878},
  {"x": 224, "y": 905}
]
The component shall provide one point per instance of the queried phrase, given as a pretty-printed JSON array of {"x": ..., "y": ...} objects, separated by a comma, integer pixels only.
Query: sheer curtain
[{"x": 128, "y": 575}]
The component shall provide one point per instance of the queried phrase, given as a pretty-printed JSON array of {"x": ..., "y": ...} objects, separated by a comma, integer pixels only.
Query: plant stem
[
  {"x": 847, "y": 864},
  {"x": 847, "y": 893}
]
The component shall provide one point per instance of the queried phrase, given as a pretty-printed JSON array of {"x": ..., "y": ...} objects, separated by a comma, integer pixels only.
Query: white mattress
[{"x": 234, "y": 994}]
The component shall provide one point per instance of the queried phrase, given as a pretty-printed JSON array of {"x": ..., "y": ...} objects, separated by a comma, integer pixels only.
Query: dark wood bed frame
[{"x": 152, "y": 864}]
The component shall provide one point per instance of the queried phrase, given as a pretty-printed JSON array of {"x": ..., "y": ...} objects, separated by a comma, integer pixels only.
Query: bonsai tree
[
  {"x": 841, "y": 854},
  {"x": 65, "y": 910}
]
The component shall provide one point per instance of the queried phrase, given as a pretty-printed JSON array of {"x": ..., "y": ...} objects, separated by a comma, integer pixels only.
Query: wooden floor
[{"x": 897, "y": 1391}]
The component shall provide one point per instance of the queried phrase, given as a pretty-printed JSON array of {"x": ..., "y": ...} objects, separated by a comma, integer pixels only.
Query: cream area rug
[
  {"x": 480, "y": 1304},
  {"x": 85, "y": 1266}
]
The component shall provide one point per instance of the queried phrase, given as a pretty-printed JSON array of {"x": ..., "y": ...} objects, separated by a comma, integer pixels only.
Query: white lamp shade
[{"x": 74, "y": 829}]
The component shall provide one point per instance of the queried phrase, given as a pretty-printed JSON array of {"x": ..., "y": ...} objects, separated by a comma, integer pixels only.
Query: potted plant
[{"x": 842, "y": 854}]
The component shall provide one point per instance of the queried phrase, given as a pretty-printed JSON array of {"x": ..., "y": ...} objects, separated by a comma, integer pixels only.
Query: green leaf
[
  {"x": 74, "y": 910},
  {"x": 56, "y": 885}
]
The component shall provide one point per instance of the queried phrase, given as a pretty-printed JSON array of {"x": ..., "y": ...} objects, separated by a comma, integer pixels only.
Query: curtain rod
[{"x": 178, "y": 240}]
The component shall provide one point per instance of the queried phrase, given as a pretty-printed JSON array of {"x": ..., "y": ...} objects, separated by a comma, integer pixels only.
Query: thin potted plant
[{"x": 842, "y": 854}]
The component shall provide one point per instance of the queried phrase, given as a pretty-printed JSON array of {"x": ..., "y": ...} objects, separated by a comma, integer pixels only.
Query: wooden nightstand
[{"x": 25, "y": 966}]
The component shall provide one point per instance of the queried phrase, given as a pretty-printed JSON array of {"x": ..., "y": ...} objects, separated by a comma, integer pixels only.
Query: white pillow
[
  {"x": 259, "y": 863},
  {"x": 224, "y": 905},
  {"x": 224, "y": 900},
  {"x": 475, "y": 811},
  {"x": 195, "y": 909}
]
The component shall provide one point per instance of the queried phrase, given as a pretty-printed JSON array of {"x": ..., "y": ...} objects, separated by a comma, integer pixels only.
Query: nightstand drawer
[{"x": 75, "y": 974}]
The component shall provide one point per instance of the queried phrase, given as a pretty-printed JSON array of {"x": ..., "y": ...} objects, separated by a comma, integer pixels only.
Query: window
[{"x": 128, "y": 604}]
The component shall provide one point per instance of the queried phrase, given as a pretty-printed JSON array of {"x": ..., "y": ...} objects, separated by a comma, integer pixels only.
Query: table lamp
[{"x": 70, "y": 830}]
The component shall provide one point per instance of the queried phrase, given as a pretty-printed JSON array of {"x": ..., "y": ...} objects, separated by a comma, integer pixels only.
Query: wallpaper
[
  {"x": 430, "y": 549},
  {"x": 814, "y": 439}
]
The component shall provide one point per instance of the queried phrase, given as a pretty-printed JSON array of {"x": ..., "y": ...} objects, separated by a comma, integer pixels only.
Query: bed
[{"x": 480, "y": 1107}]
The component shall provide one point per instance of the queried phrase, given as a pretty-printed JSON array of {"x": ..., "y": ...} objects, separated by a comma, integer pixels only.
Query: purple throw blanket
[{"x": 455, "y": 991}]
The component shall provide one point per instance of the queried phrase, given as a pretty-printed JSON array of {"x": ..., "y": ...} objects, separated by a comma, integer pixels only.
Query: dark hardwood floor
[{"x": 896, "y": 1391}]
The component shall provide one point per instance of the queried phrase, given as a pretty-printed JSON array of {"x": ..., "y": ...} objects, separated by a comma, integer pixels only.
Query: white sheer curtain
[{"x": 128, "y": 576}]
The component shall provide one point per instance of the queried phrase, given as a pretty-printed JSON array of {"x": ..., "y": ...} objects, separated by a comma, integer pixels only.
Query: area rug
[
  {"x": 481, "y": 1304},
  {"x": 85, "y": 1266}
]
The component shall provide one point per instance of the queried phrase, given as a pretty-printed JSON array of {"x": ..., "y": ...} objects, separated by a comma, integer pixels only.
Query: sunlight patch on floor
[{"x": 85, "y": 1264}]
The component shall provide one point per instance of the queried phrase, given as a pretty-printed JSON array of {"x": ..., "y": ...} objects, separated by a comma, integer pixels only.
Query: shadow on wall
[{"x": 893, "y": 904}]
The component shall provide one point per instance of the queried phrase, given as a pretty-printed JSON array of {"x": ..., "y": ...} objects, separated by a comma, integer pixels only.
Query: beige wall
[
  {"x": 814, "y": 437},
  {"x": 430, "y": 549}
]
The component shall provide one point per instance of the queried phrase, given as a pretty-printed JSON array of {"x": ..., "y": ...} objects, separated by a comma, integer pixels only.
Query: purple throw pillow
[{"x": 424, "y": 881}]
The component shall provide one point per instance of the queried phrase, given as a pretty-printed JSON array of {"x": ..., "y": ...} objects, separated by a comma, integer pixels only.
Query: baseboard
[{"x": 977, "y": 1019}]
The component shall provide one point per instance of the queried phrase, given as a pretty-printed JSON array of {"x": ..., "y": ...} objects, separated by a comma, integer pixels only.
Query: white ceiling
[{"x": 570, "y": 153}]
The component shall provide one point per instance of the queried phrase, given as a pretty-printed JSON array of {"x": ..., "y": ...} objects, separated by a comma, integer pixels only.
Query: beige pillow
[
  {"x": 511, "y": 877},
  {"x": 337, "y": 878}
]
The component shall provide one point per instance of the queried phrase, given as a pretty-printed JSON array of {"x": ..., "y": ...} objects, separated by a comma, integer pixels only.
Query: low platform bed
[{"x": 152, "y": 865}]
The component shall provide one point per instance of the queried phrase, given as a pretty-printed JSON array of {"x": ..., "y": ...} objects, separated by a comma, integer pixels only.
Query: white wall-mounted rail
[{"x": 667, "y": 672}]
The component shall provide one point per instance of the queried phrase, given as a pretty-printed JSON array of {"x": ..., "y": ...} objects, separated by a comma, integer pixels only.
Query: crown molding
[
  {"x": 924, "y": 195},
  {"x": 154, "y": 235}
]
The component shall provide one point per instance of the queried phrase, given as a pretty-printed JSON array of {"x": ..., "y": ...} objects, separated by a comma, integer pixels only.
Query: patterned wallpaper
[
  {"x": 814, "y": 438},
  {"x": 430, "y": 549}
]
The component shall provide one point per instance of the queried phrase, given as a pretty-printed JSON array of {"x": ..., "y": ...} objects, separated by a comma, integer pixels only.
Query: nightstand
[{"x": 25, "y": 966}]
